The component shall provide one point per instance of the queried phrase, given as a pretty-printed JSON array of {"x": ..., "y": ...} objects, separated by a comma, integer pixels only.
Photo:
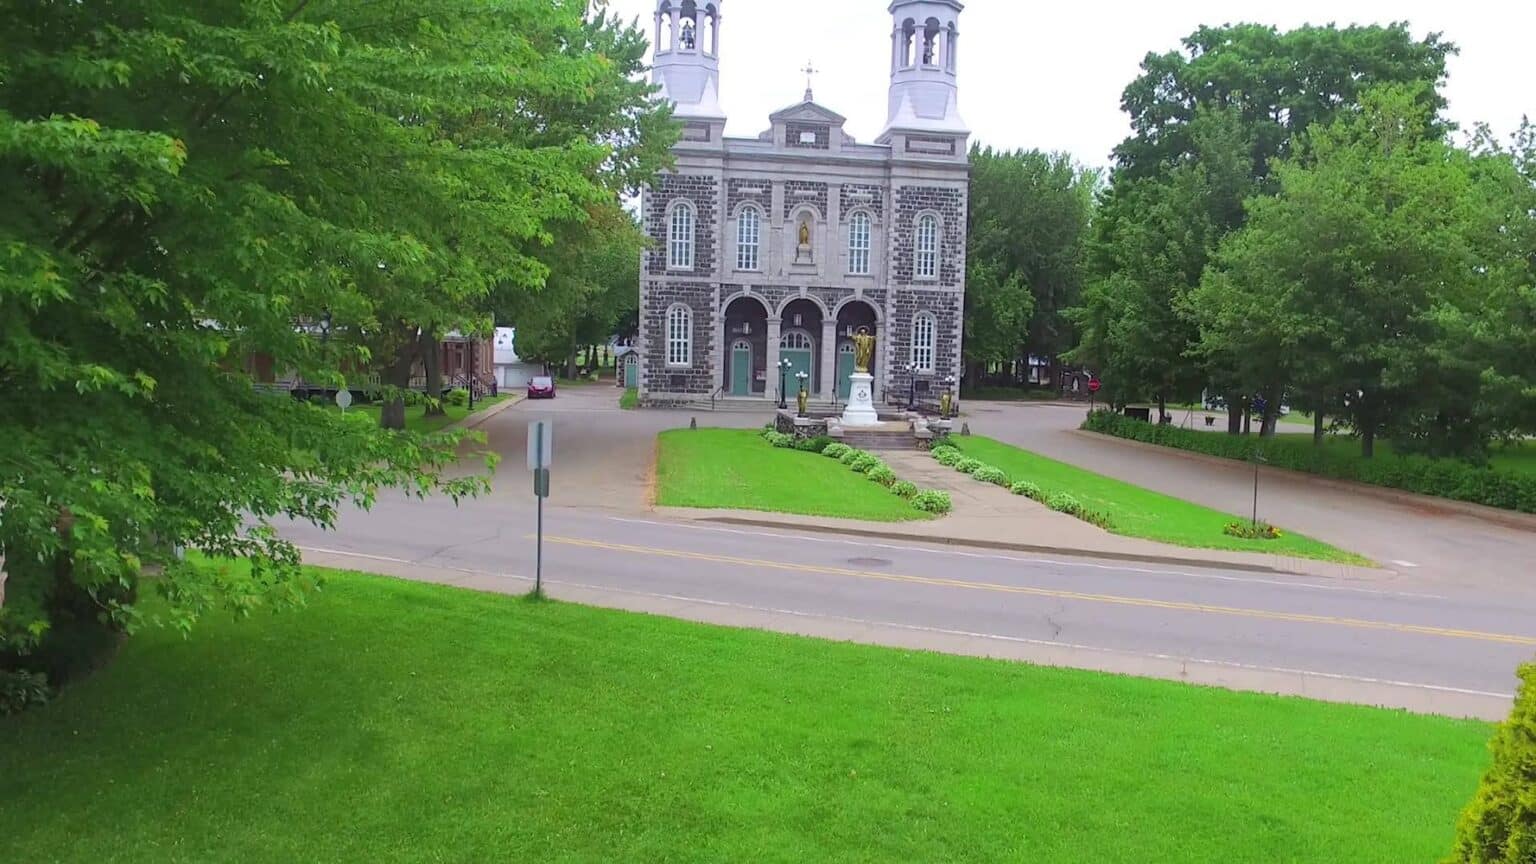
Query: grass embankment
[
  {"x": 416, "y": 418},
  {"x": 1518, "y": 457},
  {"x": 1137, "y": 512},
  {"x": 630, "y": 400},
  {"x": 734, "y": 469},
  {"x": 397, "y": 722}
]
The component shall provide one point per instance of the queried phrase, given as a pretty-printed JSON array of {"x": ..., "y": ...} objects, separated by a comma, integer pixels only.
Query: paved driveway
[
  {"x": 603, "y": 454},
  {"x": 1422, "y": 541}
]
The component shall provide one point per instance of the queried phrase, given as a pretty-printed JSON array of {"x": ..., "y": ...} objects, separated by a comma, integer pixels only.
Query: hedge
[{"x": 1442, "y": 478}]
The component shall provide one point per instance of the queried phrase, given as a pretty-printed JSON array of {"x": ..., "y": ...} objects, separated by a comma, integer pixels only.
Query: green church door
[
  {"x": 741, "y": 368},
  {"x": 844, "y": 371},
  {"x": 797, "y": 347},
  {"x": 631, "y": 370}
]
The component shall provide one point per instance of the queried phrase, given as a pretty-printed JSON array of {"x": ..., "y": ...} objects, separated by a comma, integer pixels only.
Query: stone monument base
[{"x": 861, "y": 401}]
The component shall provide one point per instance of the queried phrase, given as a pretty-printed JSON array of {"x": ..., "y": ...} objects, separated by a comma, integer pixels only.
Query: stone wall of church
[
  {"x": 739, "y": 191},
  {"x": 702, "y": 191},
  {"x": 659, "y": 296},
  {"x": 947, "y": 308},
  {"x": 797, "y": 192},
  {"x": 950, "y": 205}
]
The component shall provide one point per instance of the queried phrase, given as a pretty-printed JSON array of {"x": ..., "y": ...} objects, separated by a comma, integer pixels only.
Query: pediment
[{"x": 808, "y": 112}]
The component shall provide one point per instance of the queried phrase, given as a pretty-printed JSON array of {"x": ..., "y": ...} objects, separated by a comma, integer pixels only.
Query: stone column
[
  {"x": 772, "y": 369},
  {"x": 882, "y": 364},
  {"x": 828, "y": 358}
]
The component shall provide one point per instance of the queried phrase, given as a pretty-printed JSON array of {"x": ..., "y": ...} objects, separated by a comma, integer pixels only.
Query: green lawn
[
  {"x": 416, "y": 419},
  {"x": 631, "y": 399},
  {"x": 735, "y": 469},
  {"x": 1137, "y": 512},
  {"x": 398, "y": 722},
  {"x": 1519, "y": 457}
]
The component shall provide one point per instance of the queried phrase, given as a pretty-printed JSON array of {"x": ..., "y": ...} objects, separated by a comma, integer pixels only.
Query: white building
[{"x": 779, "y": 247}]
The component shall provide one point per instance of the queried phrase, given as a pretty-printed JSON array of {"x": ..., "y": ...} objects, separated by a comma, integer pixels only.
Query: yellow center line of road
[{"x": 1111, "y": 599}]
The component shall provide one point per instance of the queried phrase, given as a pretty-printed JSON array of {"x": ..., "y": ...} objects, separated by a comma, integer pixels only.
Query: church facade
[{"x": 768, "y": 254}]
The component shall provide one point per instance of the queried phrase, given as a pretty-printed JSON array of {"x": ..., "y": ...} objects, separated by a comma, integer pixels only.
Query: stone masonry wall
[
  {"x": 860, "y": 195},
  {"x": 739, "y": 191},
  {"x": 947, "y": 308},
  {"x": 702, "y": 191},
  {"x": 659, "y": 296},
  {"x": 821, "y": 136},
  {"x": 797, "y": 192},
  {"x": 950, "y": 205}
]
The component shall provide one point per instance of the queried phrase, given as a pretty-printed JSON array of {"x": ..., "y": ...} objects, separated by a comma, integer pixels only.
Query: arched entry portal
[
  {"x": 800, "y": 344},
  {"x": 746, "y": 334},
  {"x": 853, "y": 315}
]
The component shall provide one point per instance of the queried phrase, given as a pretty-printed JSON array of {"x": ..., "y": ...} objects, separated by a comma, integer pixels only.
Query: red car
[{"x": 542, "y": 387}]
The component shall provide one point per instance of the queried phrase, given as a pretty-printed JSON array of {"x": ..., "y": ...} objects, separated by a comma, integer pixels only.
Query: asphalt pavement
[{"x": 1422, "y": 644}]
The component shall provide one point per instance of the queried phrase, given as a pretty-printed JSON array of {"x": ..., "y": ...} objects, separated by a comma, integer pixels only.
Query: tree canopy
[{"x": 191, "y": 184}]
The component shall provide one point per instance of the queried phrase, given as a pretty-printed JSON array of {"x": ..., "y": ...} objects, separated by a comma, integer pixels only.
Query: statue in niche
[
  {"x": 803, "y": 249},
  {"x": 687, "y": 38}
]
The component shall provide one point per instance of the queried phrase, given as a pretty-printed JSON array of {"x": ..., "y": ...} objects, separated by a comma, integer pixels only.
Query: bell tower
[
  {"x": 687, "y": 57},
  {"x": 924, "y": 97}
]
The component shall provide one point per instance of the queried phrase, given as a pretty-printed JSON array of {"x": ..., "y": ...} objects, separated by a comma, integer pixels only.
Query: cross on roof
[{"x": 809, "y": 70}]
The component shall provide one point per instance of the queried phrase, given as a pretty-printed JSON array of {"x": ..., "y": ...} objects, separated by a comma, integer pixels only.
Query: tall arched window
[
  {"x": 927, "y": 264},
  {"x": 749, "y": 239},
  {"x": 924, "y": 330},
  {"x": 679, "y": 335},
  {"x": 858, "y": 244},
  {"x": 680, "y": 237}
]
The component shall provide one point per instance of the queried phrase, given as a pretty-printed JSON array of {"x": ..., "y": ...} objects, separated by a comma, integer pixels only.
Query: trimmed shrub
[
  {"x": 457, "y": 397},
  {"x": 933, "y": 501},
  {"x": 835, "y": 450},
  {"x": 1028, "y": 490},
  {"x": 779, "y": 439},
  {"x": 864, "y": 462},
  {"x": 849, "y": 455},
  {"x": 20, "y": 690},
  {"x": 819, "y": 444},
  {"x": 969, "y": 465},
  {"x": 1250, "y": 531},
  {"x": 1499, "y": 826},
  {"x": 882, "y": 474},
  {"x": 946, "y": 454},
  {"x": 990, "y": 474},
  {"x": 1061, "y": 502},
  {"x": 904, "y": 488},
  {"x": 1443, "y": 478}
]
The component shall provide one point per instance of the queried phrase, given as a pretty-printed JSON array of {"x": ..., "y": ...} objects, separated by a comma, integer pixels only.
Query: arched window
[
  {"x": 927, "y": 264},
  {"x": 858, "y": 243},
  {"x": 679, "y": 335},
  {"x": 749, "y": 239},
  {"x": 795, "y": 340},
  {"x": 924, "y": 330},
  {"x": 680, "y": 237},
  {"x": 908, "y": 43},
  {"x": 688, "y": 35},
  {"x": 664, "y": 28},
  {"x": 711, "y": 31},
  {"x": 953, "y": 48}
]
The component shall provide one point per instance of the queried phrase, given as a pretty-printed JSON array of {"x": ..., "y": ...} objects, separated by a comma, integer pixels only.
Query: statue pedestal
[{"x": 861, "y": 401}]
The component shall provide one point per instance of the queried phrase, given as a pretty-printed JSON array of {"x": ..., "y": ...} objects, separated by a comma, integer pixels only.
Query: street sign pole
[{"x": 541, "y": 452}]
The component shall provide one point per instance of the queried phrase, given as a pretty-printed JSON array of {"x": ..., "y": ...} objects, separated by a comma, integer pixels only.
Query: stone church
[{"x": 769, "y": 253}]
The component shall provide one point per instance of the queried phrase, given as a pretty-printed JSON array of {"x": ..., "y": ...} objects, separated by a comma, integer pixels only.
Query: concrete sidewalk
[{"x": 990, "y": 517}]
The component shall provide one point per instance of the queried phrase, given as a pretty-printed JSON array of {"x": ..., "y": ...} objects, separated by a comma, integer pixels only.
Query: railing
[{"x": 719, "y": 391}]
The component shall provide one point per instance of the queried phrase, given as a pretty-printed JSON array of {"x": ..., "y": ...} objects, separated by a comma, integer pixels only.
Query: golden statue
[
  {"x": 805, "y": 233},
  {"x": 863, "y": 350}
]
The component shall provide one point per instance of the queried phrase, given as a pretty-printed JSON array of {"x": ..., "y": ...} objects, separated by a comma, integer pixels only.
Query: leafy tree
[
  {"x": 1029, "y": 219},
  {"x": 1499, "y": 826},
  {"x": 1208, "y": 122},
  {"x": 320, "y": 182}
]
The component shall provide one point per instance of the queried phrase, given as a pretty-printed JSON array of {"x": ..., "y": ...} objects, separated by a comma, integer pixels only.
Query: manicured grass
[
  {"x": 416, "y": 419},
  {"x": 630, "y": 400},
  {"x": 398, "y": 722},
  {"x": 1137, "y": 512},
  {"x": 1519, "y": 457},
  {"x": 735, "y": 469}
]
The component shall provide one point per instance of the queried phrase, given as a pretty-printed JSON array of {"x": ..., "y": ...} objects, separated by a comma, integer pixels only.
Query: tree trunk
[
  {"x": 1271, "y": 418},
  {"x": 1234, "y": 414},
  {"x": 432, "y": 359},
  {"x": 1368, "y": 442},
  {"x": 570, "y": 360},
  {"x": 398, "y": 376},
  {"x": 1162, "y": 408},
  {"x": 1247, "y": 419},
  {"x": 1317, "y": 427}
]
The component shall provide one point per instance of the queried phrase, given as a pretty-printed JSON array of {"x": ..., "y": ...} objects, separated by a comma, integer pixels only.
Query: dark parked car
[{"x": 542, "y": 387}]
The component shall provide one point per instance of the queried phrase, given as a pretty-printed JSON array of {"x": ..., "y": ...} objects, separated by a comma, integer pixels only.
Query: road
[
  {"x": 1419, "y": 540},
  {"x": 1406, "y": 643}
]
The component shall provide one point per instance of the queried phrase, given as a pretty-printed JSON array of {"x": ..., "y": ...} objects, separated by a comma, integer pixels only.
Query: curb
[
  {"x": 1030, "y": 548},
  {"x": 475, "y": 420},
  {"x": 1506, "y": 518}
]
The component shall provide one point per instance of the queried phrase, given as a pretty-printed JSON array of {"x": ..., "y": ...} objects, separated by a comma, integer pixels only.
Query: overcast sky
[{"x": 1049, "y": 75}]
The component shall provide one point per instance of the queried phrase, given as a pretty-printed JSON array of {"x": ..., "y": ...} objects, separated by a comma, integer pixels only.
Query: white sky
[{"x": 1048, "y": 75}]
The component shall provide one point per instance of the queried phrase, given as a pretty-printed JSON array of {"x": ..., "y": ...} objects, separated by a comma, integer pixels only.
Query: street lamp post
[
  {"x": 949, "y": 398},
  {"x": 784, "y": 367},
  {"x": 802, "y": 376}
]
